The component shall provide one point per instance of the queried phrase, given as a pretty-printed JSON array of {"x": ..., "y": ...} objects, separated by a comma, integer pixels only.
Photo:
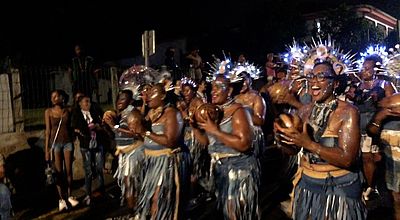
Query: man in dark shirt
[{"x": 82, "y": 73}]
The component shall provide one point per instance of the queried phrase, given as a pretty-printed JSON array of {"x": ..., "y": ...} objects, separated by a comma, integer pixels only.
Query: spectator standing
[
  {"x": 83, "y": 79},
  {"x": 58, "y": 141},
  {"x": 5, "y": 194}
]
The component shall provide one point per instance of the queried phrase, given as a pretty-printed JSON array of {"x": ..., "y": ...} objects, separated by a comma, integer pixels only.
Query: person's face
[
  {"x": 146, "y": 92},
  {"x": 294, "y": 72},
  {"x": 56, "y": 98},
  {"x": 123, "y": 101},
  {"x": 156, "y": 97},
  {"x": 177, "y": 86},
  {"x": 246, "y": 86},
  {"x": 195, "y": 52},
  {"x": 85, "y": 104},
  {"x": 134, "y": 123},
  {"x": 187, "y": 93},
  {"x": 351, "y": 94},
  {"x": 241, "y": 58},
  {"x": 78, "y": 50},
  {"x": 219, "y": 91},
  {"x": 280, "y": 75},
  {"x": 202, "y": 87},
  {"x": 321, "y": 82},
  {"x": 77, "y": 96},
  {"x": 367, "y": 71}
]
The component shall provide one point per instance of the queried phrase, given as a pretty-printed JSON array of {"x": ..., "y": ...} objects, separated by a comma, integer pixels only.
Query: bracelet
[{"x": 376, "y": 124}]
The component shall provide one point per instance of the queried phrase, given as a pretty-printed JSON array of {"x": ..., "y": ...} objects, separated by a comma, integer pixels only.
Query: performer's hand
[
  {"x": 293, "y": 136},
  {"x": 209, "y": 125},
  {"x": 109, "y": 120},
  {"x": 395, "y": 112},
  {"x": 383, "y": 113}
]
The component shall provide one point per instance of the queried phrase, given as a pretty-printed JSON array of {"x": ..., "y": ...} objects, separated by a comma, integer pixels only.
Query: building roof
[{"x": 365, "y": 10}]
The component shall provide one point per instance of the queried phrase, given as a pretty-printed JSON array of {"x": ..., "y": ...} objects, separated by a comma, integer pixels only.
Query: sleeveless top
[
  {"x": 121, "y": 139},
  {"x": 330, "y": 142},
  {"x": 158, "y": 128},
  {"x": 216, "y": 146},
  {"x": 366, "y": 105},
  {"x": 64, "y": 135},
  {"x": 249, "y": 109}
]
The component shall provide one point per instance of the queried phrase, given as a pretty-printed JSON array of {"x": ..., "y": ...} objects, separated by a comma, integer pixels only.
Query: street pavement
[{"x": 274, "y": 199}]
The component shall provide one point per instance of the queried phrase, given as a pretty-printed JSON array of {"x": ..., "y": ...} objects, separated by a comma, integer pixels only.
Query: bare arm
[
  {"x": 47, "y": 133},
  {"x": 375, "y": 126},
  {"x": 240, "y": 138},
  {"x": 200, "y": 136},
  {"x": 349, "y": 143},
  {"x": 259, "y": 111},
  {"x": 389, "y": 90}
]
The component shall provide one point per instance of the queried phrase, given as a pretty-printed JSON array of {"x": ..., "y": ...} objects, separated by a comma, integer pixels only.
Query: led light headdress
[
  {"x": 232, "y": 71},
  {"x": 188, "y": 81},
  {"x": 343, "y": 63},
  {"x": 392, "y": 63},
  {"x": 376, "y": 50},
  {"x": 295, "y": 57}
]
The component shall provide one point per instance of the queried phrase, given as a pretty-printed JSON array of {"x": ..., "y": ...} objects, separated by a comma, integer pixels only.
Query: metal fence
[{"x": 36, "y": 84}]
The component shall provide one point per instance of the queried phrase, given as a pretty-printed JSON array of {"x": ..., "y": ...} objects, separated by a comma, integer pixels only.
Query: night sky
[{"x": 45, "y": 33}]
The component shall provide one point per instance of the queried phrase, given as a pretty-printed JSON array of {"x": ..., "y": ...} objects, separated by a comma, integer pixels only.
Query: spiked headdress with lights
[
  {"x": 188, "y": 81},
  {"x": 378, "y": 51},
  {"x": 392, "y": 64},
  {"x": 326, "y": 51},
  {"x": 232, "y": 71},
  {"x": 295, "y": 57}
]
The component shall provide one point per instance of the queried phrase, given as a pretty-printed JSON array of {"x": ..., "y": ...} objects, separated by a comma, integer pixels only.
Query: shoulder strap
[{"x": 55, "y": 137}]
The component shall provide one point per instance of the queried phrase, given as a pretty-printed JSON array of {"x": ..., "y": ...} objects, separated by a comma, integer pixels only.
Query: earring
[{"x": 335, "y": 93}]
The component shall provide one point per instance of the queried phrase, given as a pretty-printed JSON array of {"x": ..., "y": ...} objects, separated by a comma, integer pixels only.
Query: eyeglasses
[{"x": 321, "y": 76}]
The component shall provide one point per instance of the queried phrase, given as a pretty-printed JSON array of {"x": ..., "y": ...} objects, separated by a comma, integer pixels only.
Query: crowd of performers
[{"x": 334, "y": 115}]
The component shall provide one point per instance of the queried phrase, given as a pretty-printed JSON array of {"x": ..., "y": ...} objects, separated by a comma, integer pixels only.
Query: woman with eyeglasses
[{"x": 328, "y": 184}]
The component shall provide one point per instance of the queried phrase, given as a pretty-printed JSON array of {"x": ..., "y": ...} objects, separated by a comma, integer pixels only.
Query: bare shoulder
[
  {"x": 48, "y": 111},
  {"x": 347, "y": 107},
  {"x": 347, "y": 110},
  {"x": 171, "y": 111},
  {"x": 233, "y": 109},
  {"x": 255, "y": 94}
]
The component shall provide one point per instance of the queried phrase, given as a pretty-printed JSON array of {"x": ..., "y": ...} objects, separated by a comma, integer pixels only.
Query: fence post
[
  {"x": 6, "y": 122},
  {"x": 17, "y": 101},
  {"x": 114, "y": 84}
]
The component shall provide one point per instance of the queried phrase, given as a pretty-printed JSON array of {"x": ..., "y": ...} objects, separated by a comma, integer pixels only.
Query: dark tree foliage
[{"x": 350, "y": 30}]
